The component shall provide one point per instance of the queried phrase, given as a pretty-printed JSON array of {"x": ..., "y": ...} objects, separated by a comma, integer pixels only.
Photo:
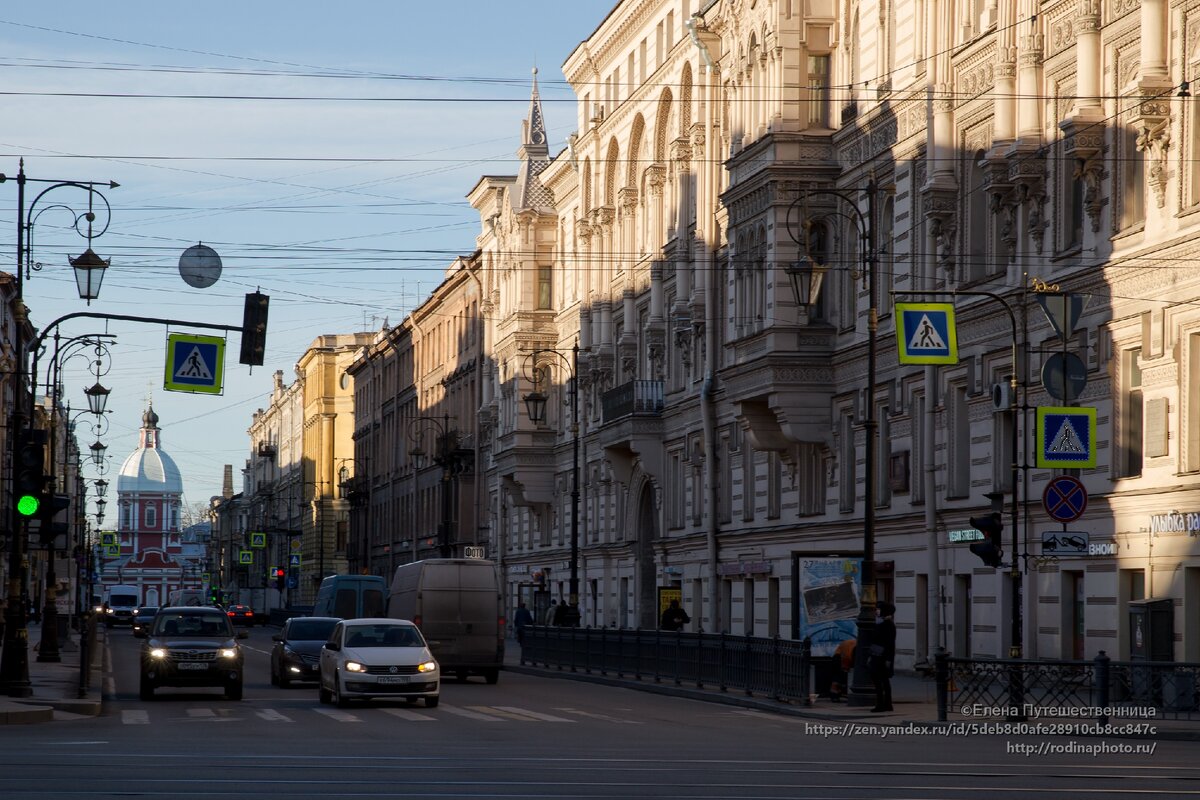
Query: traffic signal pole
[
  {"x": 1017, "y": 624},
  {"x": 14, "y": 657}
]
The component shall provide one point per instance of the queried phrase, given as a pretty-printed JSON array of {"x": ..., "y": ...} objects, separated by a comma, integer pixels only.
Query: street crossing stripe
[
  {"x": 404, "y": 713},
  {"x": 135, "y": 717},
  {"x": 201, "y": 712},
  {"x": 534, "y": 714},
  {"x": 340, "y": 716},
  {"x": 475, "y": 715},
  {"x": 271, "y": 715},
  {"x": 601, "y": 717}
]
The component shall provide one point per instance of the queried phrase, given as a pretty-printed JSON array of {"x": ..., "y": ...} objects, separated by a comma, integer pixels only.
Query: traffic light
[
  {"x": 53, "y": 505},
  {"x": 254, "y": 329},
  {"x": 989, "y": 548},
  {"x": 280, "y": 578},
  {"x": 29, "y": 485}
]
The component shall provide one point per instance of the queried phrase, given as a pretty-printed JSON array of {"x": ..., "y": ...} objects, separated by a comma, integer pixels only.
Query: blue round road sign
[{"x": 1065, "y": 499}]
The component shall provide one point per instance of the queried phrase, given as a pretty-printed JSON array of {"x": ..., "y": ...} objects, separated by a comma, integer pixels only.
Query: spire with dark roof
[{"x": 535, "y": 157}]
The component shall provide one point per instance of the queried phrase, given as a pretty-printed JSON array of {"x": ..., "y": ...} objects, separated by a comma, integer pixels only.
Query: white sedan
[{"x": 370, "y": 658}]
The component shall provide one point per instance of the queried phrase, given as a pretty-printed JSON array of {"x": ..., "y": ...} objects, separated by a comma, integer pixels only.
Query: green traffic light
[{"x": 27, "y": 505}]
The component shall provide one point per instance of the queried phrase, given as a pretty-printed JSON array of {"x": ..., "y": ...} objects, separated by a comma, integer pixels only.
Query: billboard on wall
[{"x": 829, "y": 589}]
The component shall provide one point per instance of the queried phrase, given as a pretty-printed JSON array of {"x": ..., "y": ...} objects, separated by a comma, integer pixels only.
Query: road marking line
[
  {"x": 340, "y": 716},
  {"x": 404, "y": 713},
  {"x": 602, "y": 717},
  {"x": 271, "y": 715},
  {"x": 135, "y": 717},
  {"x": 201, "y": 712},
  {"x": 532, "y": 714},
  {"x": 475, "y": 715},
  {"x": 764, "y": 715}
]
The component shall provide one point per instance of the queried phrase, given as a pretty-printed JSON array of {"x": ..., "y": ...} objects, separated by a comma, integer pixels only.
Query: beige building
[
  {"x": 729, "y": 434},
  {"x": 417, "y": 400},
  {"x": 301, "y": 455}
]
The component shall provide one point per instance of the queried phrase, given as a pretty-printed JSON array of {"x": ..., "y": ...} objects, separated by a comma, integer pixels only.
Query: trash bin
[{"x": 1151, "y": 638}]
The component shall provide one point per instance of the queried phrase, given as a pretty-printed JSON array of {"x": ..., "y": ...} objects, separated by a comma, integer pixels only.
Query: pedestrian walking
[
  {"x": 673, "y": 617},
  {"x": 522, "y": 620},
  {"x": 882, "y": 656}
]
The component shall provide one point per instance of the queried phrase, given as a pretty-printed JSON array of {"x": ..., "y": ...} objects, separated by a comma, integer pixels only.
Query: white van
[
  {"x": 351, "y": 597},
  {"x": 119, "y": 606},
  {"x": 457, "y": 605}
]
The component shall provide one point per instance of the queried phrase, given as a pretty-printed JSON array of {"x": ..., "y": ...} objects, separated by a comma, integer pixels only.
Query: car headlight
[
  {"x": 109, "y": 611},
  {"x": 228, "y": 652},
  {"x": 158, "y": 652},
  {"x": 428, "y": 666},
  {"x": 354, "y": 666}
]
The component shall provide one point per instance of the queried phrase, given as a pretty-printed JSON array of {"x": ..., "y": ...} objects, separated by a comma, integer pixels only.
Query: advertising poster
[{"x": 829, "y": 591}]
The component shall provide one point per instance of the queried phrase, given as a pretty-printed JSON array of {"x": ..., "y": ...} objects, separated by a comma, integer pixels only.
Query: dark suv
[{"x": 192, "y": 646}]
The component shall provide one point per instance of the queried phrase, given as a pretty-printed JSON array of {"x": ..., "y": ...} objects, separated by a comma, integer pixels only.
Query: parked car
[
  {"x": 143, "y": 618},
  {"x": 192, "y": 646},
  {"x": 240, "y": 614},
  {"x": 296, "y": 655},
  {"x": 371, "y": 658}
]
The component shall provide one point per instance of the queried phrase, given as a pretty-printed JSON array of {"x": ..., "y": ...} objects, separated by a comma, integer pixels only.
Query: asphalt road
[{"x": 533, "y": 737}]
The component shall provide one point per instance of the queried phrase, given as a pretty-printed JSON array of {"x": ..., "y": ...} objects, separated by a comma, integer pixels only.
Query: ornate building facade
[{"x": 990, "y": 154}]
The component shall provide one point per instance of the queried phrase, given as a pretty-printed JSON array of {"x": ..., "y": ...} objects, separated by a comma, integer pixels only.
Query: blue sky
[{"x": 338, "y": 191}]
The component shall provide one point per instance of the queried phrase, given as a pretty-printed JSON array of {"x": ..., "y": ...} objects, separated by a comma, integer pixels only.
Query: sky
[{"x": 323, "y": 150}]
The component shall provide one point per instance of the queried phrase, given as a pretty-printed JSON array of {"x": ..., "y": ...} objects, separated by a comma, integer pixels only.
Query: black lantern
[
  {"x": 98, "y": 448},
  {"x": 89, "y": 273},
  {"x": 535, "y": 406},
  {"x": 97, "y": 397},
  {"x": 807, "y": 276}
]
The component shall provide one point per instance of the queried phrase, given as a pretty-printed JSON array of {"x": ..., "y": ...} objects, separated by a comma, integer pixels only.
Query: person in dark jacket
[
  {"x": 674, "y": 617},
  {"x": 882, "y": 656},
  {"x": 522, "y": 620}
]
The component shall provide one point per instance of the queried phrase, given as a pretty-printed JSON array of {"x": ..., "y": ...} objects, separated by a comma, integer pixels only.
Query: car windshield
[
  {"x": 191, "y": 624},
  {"x": 383, "y": 635},
  {"x": 311, "y": 630}
]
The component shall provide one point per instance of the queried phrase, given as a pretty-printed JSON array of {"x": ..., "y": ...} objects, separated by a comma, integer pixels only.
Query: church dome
[{"x": 149, "y": 468}]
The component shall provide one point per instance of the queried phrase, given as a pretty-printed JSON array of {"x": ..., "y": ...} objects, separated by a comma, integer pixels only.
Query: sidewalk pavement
[
  {"x": 914, "y": 698},
  {"x": 55, "y": 685}
]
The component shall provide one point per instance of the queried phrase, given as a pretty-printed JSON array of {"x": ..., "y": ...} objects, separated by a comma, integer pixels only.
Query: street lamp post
[
  {"x": 14, "y": 658},
  {"x": 446, "y": 459},
  {"x": 807, "y": 272},
  {"x": 535, "y": 407},
  {"x": 358, "y": 498}
]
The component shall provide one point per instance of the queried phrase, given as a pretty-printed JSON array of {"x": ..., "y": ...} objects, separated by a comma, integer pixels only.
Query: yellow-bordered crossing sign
[
  {"x": 925, "y": 333},
  {"x": 195, "y": 363}
]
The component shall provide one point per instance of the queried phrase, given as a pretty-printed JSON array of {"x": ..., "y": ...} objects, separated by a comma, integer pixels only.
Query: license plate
[
  {"x": 394, "y": 678},
  {"x": 193, "y": 665}
]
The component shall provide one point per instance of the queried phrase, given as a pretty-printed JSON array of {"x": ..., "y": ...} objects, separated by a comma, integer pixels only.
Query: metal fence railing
[
  {"x": 784, "y": 669},
  {"x": 1130, "y": 689},
  {"x": 775, "y": 668}
]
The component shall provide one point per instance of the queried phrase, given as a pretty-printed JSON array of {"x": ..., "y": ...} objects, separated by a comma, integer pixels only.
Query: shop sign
[
  {"x": 1176, "y": 522},
  {"x": 745, "y": 568}
]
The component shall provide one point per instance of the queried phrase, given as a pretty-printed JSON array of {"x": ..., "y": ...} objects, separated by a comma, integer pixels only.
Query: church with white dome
[{"x": 147, "y": 539}]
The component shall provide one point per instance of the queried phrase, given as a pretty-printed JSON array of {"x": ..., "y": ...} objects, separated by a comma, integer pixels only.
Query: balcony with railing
[{"x": 632, "y": 398}]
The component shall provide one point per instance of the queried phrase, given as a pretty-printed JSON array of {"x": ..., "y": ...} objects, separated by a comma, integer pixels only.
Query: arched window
[{"x": 151, "y": 517}]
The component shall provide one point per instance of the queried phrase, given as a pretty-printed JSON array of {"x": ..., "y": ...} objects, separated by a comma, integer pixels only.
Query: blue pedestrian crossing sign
[
  {"x": 195, "y": 363},
  {"x": 293, "y": 559},
  {"x": 925, "y": 333},
  {"x": 1066, "y": 437}
]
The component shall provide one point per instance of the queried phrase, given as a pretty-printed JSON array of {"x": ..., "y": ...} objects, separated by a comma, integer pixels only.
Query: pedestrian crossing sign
[
  {"x": 925, "y": 333},
  {"x": 245, "y": 556},
  {"x": 195, "y": 363},
  {"x": 1066, "y": 437},
  {"x": 258, "y": 540}
]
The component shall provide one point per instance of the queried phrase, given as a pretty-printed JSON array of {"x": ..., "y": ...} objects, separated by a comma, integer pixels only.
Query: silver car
[{"x": 378, "y": 658}]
